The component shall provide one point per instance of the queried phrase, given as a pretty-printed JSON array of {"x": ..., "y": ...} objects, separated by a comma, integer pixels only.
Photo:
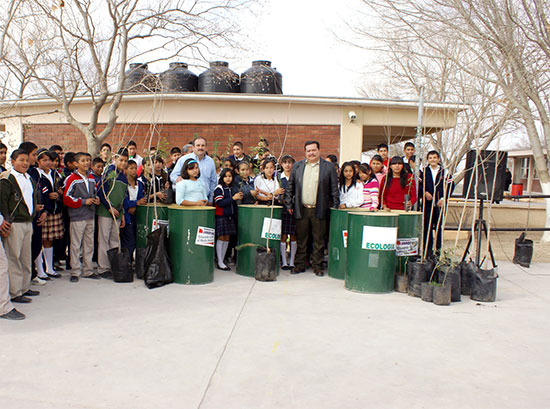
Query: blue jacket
[
  {"x": 132, "y": 203},
  {"x": 245, "y": 186},
  {"x": 426, "y": 184},
  {"x": 223, "y": 199}
]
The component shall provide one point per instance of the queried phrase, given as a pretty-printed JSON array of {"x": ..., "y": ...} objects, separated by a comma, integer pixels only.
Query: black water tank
[
  {"x": 261, "y": 78},
  {"x": 140, "y": 79},
  {"x": 219, "y": 78},
  {"x": 178, "y": 78}
]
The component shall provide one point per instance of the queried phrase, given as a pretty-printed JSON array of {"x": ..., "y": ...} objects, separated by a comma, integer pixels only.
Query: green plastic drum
[
  {"x": 372, "y": 239},
  {"x": 192, "y": 237},
  {"x": 251, "y": 222},
  {"x": 409, "y": 238},
  {"x": 338, "y": 235},
  {"x": 144, "y": 221}
]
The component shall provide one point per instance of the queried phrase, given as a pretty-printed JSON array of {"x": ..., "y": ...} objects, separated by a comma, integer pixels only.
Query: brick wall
[{"x": 45, "y": 135}]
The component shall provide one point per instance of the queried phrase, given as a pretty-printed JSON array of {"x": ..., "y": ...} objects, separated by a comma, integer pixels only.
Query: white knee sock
[
  {"x": 283, "y": 252},
  {"x": 48, "y": 256},
  {"x": 38, "y": 265},
  {"x": 293, "y": 249},
  {"x": 221, "y": 248}
]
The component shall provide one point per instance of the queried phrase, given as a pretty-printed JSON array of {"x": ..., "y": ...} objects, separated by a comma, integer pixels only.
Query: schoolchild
[
  {"x": 408, "y": 157},
  {"x": 377, "y": 166},
  {"x": 225, "y": 199},
  {"x": 3, "y": 156},
  {"x": 397, "y": 190},
  {"x": 105, "y": 153},
  {"x": 134, "y": 197},
  {"x": 110, "y": 211},
  {"x": 288, "y": 224},
  {"x": 57, "y": 167},
  {"x": 191, "y": 190},
  {"x": 53, "y": 228},
  {"x": 350, "y": 187},
  {"x": 383, "y": 151},
  {"x": 370, "y": 187},
  {"x": 79, "y": 196},
  {"x": 175, "y": 154},
  {"x": 19, "y": 205},
  {"x": 238, "y": 153},
  {"x": 155, "y": 180},
  {"x": 98, "y": 165},
  {"x": 266, "y": 184},
  {"x": 63, "y": 250},
  {"x": 245, "y": 183}
]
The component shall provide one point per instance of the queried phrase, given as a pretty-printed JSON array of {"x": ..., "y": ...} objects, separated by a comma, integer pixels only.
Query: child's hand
[
  {"x": 53, "y": 196},
  {"x": 89, "y": 201},
  {"x": 279, "y": 191},
  {"x": 238, "y": 196},
  {"x": 97, "y": 201},
  {"x": 202, "y": 202},
  {"x": 41, "y": 219},
  {"x": 142, "y": 201},
  {"x": 114, "y": 212},
  {"x": 161, "y": 196}
]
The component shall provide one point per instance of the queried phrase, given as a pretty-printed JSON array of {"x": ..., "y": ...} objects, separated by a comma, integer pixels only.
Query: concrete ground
[{"x": 300, "y": 342}]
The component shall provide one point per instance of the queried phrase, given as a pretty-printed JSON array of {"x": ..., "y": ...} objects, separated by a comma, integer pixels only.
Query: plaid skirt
[
  {"x": 225, "y": 226},
  {"x": 53, "y": 228},
  {"x": 288, "y": 223}
]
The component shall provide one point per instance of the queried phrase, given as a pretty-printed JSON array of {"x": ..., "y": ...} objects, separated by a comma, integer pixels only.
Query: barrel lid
[
  {"x": 261, "y": 206},
  {"x": 153, "y": 205},
  {"x": 178, "y": 207},
  {"x": 404, "y": 212},
  {"x": 378, "y": 214}
]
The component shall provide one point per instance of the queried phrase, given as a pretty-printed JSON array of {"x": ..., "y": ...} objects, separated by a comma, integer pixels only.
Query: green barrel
[
  {"x": 409, "y": 238},
  {"x": 192, "y": 239},
  {"x": 372, "y": 238},
  {"x": 338, "y": 235},
  {"x": 144, "y": 221},
  {"x": 250, "y": 226}
]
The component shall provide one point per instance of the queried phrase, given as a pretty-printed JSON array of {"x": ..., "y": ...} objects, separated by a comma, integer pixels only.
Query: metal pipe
[{"x": 455, "y": 228}]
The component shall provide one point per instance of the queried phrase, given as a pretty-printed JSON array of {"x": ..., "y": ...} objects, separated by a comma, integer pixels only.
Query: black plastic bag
[
  {"x": 484, "y": 285},
  {"x": 121, "y": 266},
  {"x": 523, "y": 251},
  {"x": 158, "y": 270},
  {"x": 140, "y": 263},
  {"x": 451, "y": 276},
  {"x": 466, "y": 277},
  {"x": 266, "y": 265},
  {"x": 418, "y": 272}
]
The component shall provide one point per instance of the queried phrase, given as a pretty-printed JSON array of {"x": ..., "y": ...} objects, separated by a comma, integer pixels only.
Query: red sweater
[{"x": 393, "y": 196}]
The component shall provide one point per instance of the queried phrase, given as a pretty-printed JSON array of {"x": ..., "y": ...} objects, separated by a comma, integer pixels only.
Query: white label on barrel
[
  {"x": 345, "y": 238},
  {"x": 274, "y": 232},
  {"x": 379, "y": 238},
  {"x": 407, "y": 247},
  {"x": 205, "y": 236}
]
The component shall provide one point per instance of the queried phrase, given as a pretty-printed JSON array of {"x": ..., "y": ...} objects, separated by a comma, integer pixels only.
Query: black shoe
[
  {"x": 297, "y": 270},
  {"x": 107, "y": 275},
  {"x": 45, "y": 278},
  {"x": 226, "y": 268},
  {"x": 13, "y": 315},
  {"x": 54, "y": 275},
  {"x": 94, "y": 276},
  {"x": 73, "y": 279},
  {"x": 21, "y": 299},
  {"x": 319, "y": 273},
  {"x": 57, "y": 268},
  {"x": 32, "y": 293},
  {"x": 285, "y": 267}
]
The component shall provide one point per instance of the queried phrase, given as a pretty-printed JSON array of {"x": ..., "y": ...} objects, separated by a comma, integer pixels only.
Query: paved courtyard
[{"x": 300, "y": 342}]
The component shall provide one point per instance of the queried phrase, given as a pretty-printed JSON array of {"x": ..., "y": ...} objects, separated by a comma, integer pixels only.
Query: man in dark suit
[
  {"x": 435, "y": 188},
  {"x": 311, "y": 191}
]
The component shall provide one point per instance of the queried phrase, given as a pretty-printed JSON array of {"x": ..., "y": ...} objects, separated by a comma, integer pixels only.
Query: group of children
[{"x": 71, "y": 207}]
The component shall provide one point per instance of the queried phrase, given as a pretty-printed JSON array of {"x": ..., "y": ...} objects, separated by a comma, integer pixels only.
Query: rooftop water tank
[
  {"x": 219, "y": 78},
  {"x": 261, "y": 78},
  {"x": 140, "y": 79},
  {"x": 178, "y": 78}
]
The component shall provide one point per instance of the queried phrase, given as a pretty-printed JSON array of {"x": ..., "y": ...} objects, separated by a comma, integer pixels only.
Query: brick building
[{"x": 344, "y": 126}]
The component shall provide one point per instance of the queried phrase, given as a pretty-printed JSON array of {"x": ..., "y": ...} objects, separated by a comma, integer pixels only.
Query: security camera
[{"x": 352, "y": 116}]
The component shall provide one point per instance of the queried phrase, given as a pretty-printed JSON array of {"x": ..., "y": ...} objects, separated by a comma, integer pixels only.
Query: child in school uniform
[
  {"x": 371, "y": 188},
  {"x": 110, "y": 211},
  {"x": 266, "y": 184},
  {"x": 225, "y": 199},
  {"x": 134, "y": 197},
  {"x": 245, "y": 183},
  {"x": 351, "y": 187},
  {"x": 288, "y": 224},
  {"x": 53, "y": 228},
  {"x": 80, "y": 198}
]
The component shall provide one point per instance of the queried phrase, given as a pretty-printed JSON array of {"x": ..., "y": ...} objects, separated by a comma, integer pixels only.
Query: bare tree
[
  {"x": 504, "y": 46},
  {"x": 64, "y": 50}
]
